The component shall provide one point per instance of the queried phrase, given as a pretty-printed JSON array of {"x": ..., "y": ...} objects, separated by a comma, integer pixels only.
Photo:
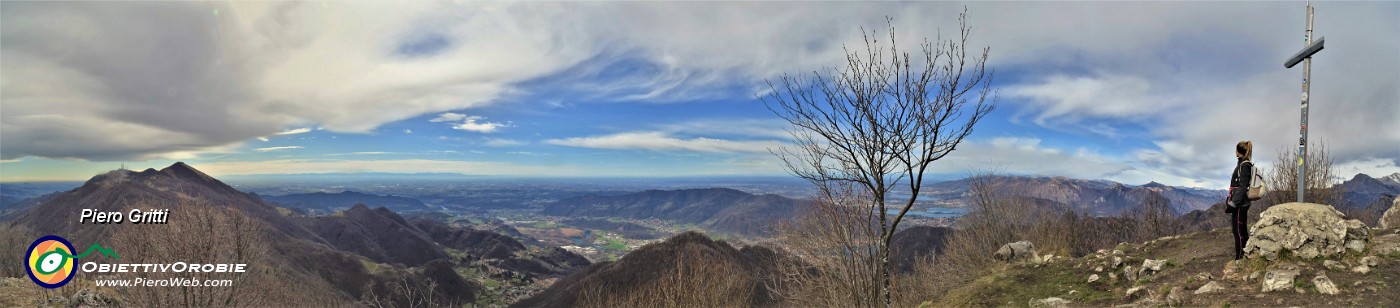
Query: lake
[{"x": 934, "y": 212}]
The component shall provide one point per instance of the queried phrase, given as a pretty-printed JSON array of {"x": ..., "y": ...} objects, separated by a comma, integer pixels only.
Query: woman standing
[{"x": 1238, "y": 202}]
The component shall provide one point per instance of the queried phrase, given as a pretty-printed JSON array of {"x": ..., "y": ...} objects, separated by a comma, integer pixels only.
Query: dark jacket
[{"x": 1240, "y": 182}]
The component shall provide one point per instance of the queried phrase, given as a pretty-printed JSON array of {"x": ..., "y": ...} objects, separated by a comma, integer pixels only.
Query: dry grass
[{"x": 999, "y": 217}]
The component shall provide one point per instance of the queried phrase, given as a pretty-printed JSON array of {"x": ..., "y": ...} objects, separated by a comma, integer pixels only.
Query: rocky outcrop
[
  {"x": 1391, "y": 218},
  {"x": 1306, "y": 230},
  {"x": 1016, "y": 251},
  {"x": 1210, "y": 287},
  {"x": 1150, "y": 267},
  {"x": 1324, "y": 285},
  {"x": 1279, "y": 279}
]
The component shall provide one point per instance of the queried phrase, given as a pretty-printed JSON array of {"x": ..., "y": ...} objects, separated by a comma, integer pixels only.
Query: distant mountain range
[
  {"x": 1098, "y": 197},
  {"x": 330, "y": 202},
  {"x": 715, "y": 209}
]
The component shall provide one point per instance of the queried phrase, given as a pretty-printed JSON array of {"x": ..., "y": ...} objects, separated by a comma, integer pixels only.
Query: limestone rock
[
  {"x": 1210, "y": 287},
  {"x": 1151, "y": 266},
  {"x": 1052, "y": 302},
  {"x": 1177, "y": 296},
  {"x": 1129, "y": 273},
  {"x": 1361, "y": 269},
  {"x": 1334, "y": 265},
  {"x": 1308, "y": 230},
  {"x": 1016, "y": 251},
  {"x": 1117, "y": 261},
  {"x": 1093, "y": 278},
  {"x": 1391, "y": 218},
  {"x": 1371, "y": 261},
  {"x": 1279, "y": 280},
  {"x": 1137, "y": 292},
  {"x": 1325, "y": 285}
]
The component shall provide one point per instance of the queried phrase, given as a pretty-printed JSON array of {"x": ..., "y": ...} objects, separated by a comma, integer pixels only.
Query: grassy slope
[{"x": 1191, "y": 258}]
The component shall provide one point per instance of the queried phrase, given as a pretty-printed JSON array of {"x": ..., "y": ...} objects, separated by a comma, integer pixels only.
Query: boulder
[
  {"x": 1280, "y": 279},
  {"x": 1093, "y": 278},
  {"x": 1117, "y": 261},
  {"x": 1307, "y": 230},
  {"x": 1325, "y": 285},
  {"x": 1391, "y": 218},
  {"x": 1177, "y": 296},
  {"x": 1210, "y": 287},
  {"x": 1137, "y": 292},
  {"x": 1130, "y": 273},
  {"x": 1151, "y": 266},
  {"x": 1052, "y": 302},
  {"x": 1371, "y": 261},
  {"x": 1361, "y": 269},
  {"x": 1016, "y": 251},
  {"x": 1334, "y": 265}
]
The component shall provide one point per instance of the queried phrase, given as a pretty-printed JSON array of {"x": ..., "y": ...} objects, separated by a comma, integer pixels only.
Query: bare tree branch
[{"x": 866, "y": 134}]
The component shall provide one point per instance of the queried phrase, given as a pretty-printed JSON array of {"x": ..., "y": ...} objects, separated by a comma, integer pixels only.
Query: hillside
[
  {"x": 497, "y": 251},
  {"x": 331, "y": 261},
  {"x": 716, "y": 209},
  {"x": 378, "y": 234},
  {"x": 688, "y": 266},
  {"x": 1193, "y": 261},
  {"x": 330, "y": 202}
]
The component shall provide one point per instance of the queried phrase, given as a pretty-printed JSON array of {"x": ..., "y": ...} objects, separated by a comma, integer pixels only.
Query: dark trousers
[{"x": 1239, "y": 228}]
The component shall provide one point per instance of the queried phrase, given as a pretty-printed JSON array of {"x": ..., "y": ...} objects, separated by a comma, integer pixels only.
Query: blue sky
[{"x": 1132, "y": 92}]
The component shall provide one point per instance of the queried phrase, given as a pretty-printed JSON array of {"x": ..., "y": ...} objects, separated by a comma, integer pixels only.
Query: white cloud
[
  {"x": 1199, "y": 75},
  {"x": 448, "y": 117},
  {"x": 270, "y": 149},
  {"x": 407, "y": 131},
  {"x": 293, "y": 131},
  {"x": 470, "y": 124},
  {"x": 1076, "y": 98},
  {"x": 658, "y": 141},
  {"x": 502, "y": 142}
]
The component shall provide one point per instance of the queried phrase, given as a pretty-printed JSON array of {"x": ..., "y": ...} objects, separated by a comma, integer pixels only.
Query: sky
[{"x": 1124, "y": 91}]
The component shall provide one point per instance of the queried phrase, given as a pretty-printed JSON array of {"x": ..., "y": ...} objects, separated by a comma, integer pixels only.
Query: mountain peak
[
  {"x": 1154, "y": 184},
  {"x": 1362, "y": 176},
  {"x": 1392, "y": 179},
  {"x": 182, "y": 169}
]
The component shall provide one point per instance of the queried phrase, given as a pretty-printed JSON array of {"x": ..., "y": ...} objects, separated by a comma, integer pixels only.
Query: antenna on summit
[{"x": 123, "y": 166}]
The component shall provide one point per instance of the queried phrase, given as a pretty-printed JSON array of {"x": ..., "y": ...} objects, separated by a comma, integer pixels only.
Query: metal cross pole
[{"x": 1305, "y": 56}]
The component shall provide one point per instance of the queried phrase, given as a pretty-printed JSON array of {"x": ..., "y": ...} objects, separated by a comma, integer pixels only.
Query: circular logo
[{"x": 49, "y": 263}]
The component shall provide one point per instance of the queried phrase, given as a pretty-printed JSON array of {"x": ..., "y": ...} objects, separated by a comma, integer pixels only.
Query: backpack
[{"x": 1256, "y": 184}]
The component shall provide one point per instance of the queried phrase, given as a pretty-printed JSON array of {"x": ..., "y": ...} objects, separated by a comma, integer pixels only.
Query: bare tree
[
  {"x": 1155, "y": 218},
  {"x": 866, "y": 133},
  {"x": 1283, "y": 178},
  {"x": 16, "y": 236}
]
